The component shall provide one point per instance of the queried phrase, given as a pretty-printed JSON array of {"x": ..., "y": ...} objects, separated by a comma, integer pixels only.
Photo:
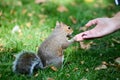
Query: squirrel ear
[{"x": 57, "y": 23}]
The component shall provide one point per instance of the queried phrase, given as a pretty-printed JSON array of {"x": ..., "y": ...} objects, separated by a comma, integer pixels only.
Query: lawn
[{"x": 37, "y": 20}]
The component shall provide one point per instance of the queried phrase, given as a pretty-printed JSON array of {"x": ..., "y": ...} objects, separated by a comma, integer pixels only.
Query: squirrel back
[
  {"x": 51, "y": 50},
  {"x": 26, "y": 62}
]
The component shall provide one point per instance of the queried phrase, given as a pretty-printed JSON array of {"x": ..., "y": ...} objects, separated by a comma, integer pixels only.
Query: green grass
[{"x": 40, "y": 27}]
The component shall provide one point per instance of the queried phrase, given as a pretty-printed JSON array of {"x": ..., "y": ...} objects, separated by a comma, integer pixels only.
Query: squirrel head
[{"x": 66, "y": 29}]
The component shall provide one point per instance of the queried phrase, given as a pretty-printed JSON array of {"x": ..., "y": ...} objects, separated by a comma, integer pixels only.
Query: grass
[{"x": 36, "y": 22}]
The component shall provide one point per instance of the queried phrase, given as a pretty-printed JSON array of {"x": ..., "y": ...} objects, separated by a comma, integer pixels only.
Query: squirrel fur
[{"x": 50, "y": 52}]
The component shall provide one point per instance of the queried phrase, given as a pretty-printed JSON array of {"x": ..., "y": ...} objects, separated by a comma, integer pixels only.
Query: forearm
[{"x": 116, "y": 20}]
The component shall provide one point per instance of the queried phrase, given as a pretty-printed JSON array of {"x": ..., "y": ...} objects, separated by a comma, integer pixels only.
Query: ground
[{"x": 36, "y": 20}]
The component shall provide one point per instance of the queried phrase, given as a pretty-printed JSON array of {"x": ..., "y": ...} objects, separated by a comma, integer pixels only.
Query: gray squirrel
[{"x": 50, "y": 52}]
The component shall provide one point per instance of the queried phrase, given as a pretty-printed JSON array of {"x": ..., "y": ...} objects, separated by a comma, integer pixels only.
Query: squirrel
[{"x": 50, "y": 52}]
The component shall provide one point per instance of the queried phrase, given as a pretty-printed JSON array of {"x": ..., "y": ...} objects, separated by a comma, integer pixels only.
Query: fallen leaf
[
  {"x": 82, "y": 62},
  {"x": 19, "y": 3},
  {"x": 88, "y": 1},
  {"x": 50, "y": 78},
  {"x": 84, "y": 78},
  {"x": 73, "y": 19},
  {"x": 62, "y": 8},
  {"x": 0, "y": 13},
  {"x": 87, "y": 70},
  {"x": 14, "y": 55},
  {"x": 1, "y": 47},
  {"x": 24, "y": 11},
  {"x": 83, "y": 28},
  {"x": 30, "y": 14},
  {"x": 112, "y": 45},
  {"x": 86, "y": 45},
  {"x": 75, "y": 69},
  {"x": 28, "y": 24},
  {"x": 36, "y": 74},
  {"x": 115, "y": 40},
  {"x": 100, "y": 67},
  {"x": 12, "y": 12},
  {"x": 68, "y": 75},
  {"x": 40, "y": 1},
  {"x": 117, "y": 60},
  {"x": 42, "y": 21},
  {"x": 73, "y": 3},
  {"x": 42, "y": 16},
  {"x": 54, "y": 68},
  {"x": 29, "y": 36},
  {"x": 14, "y": 21},
  {"x": 105, "y": 63}
]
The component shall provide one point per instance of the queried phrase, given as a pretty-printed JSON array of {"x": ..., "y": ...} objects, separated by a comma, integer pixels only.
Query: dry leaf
[
  {"x": 84, "y": 78},
  {"x": 82, "y": 62},
  {"x": 115, "y": 40},
  {"x": 83, "y": 28},
  {"x": 73, "y": 19},
  {"x": 12, "y": 12},
  {"x": 75, "y": 69},
  {"x": 62, "y": 8},
  {"x": 30, "y": 14},
  {"x": 101, "y": 67},
  {"x": 29, "y": 36},
  {"x": 28, "y": 24},
  {"x": 40, "y": 1},
  {"x": 36, "y": 74},
  {"x": 117, "y": 60},
  {"x": 50, "y": 78},
  {"x": 0, "y": 13},
  {"x": 73, "y": 3},
  {"x": 42, "y": 16},
  {"x": 19, "y": 3},
  {"x": 14, "y": 21},
  {"x": 88, "y": 1},
  {"x": 24, "y": 11},
  {"x": 87, "y": 70},
  {"x": 104, "y": 63},
  {"x": 68, "y": 75},
  {"x": 54, "y": 68},
  {"x": 86, "y": 45},
  {"x": 42, "y": 21},
  {"x": 14, "y": 55},
  {"x": 1, "y": 46}
]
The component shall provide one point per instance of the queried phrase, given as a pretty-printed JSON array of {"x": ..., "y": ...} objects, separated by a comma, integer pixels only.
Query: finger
[
  {"x": 91, "y": 22},
  {"x": 78, "y": 37},
  {"x": 88, "y": 34}
]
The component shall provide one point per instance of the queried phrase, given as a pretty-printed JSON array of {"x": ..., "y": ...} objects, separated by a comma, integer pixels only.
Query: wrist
[{"x": 116, "y": 20}]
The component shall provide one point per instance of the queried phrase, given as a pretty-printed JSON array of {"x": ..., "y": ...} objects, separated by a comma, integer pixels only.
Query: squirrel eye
[{"x": 68, "y": 27}]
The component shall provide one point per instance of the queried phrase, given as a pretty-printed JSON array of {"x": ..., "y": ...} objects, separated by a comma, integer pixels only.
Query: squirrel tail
[{"x": 26, "y": 62}]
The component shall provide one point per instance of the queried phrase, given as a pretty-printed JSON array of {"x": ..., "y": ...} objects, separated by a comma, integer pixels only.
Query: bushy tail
[{"x": 26, "y": 62}]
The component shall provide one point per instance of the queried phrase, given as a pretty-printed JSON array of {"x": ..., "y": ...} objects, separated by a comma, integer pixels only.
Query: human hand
[{"x": 104, "y": 26}]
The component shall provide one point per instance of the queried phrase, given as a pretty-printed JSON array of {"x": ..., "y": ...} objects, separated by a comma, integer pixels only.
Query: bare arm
[{"x": 104, "y": 26}]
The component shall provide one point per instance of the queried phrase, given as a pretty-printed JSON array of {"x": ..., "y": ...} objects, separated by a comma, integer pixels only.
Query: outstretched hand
[{"x": 103, "y": 26}]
